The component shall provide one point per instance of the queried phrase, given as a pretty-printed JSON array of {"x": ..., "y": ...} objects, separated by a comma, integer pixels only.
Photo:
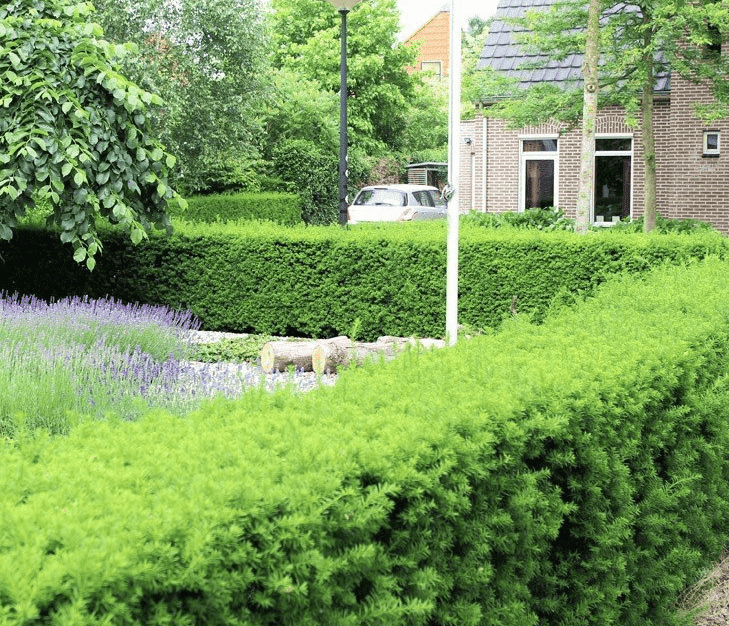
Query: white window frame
[
  {"x": 536, "y": 156},
  {"x": 613, "y": 153},
  {"x": 438, "y": 73},
  {"x": 712, "y": 151}
]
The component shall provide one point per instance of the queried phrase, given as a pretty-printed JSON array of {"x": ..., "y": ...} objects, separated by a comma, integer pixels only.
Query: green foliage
[
  {"x": 311, "y": 171},
  {"x": 548, "y": 218},
  {"x": 515, "y": 479},
  {"x": 74, "y": 130},
  {"x": 665, "y": 225},
  {"x": 300, "y": 109},
  {"x": 314, "y": 281},
  {"x": 244, "y": 349},
  {"x": 281, "y": 208},
  {"x": 305, "y": 41},
  {"x": 206, "y": 58}
]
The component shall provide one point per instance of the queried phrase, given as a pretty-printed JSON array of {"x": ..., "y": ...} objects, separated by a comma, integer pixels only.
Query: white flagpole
[{"x": 454, "y": 174}]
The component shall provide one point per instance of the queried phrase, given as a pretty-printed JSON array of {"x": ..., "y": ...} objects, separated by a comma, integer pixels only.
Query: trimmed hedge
[
  {"x": 282, "y": 208},
  {"x": 564, "y": 474},
  {"x": 316, "y": 281}
]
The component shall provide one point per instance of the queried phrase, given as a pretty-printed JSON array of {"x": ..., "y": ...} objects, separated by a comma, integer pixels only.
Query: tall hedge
[
  {"x": 316, "y": 281},
  {"x": 563, "y": 474},
  {"x": 282, "y": 208}
]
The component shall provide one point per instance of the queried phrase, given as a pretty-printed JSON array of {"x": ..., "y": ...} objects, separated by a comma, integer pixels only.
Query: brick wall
[{"x": 688, "y": 183}]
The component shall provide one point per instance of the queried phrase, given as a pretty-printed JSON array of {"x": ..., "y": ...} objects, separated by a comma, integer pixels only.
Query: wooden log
[
  {"x": 328, "y": 355},
  {"x": 280, "y": 355}
]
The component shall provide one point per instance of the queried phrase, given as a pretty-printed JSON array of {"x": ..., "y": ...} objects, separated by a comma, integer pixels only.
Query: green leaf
[
  {"x": 90, "y": 263},
  {"x": 161, "y": 190},
  {"x": 79, "y": 177},
  {"x": 79, "y": 254},
  {"x": 14, "y": 59},
  {"x": 157, "y": 154},
  {"x": 136, "y": 235},
  {"x": 66, "y": 169},
  {"x": 170, "y": 161},
  {"x": 66, "y": 106},
  {"x": 5, "y": 233}
]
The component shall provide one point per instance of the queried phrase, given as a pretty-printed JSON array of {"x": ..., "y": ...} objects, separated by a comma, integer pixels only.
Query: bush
[
  {"x": 562, "y": 474},
  {"x": 549, "y": 218},
  {"x": 282, "y": 208},
  {"x": 312, "y": 173},
  {"x": 260, "y": 277}
]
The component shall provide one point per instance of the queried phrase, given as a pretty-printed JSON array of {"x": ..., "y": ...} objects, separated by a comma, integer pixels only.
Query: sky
[{"x": 415, "y": 13}]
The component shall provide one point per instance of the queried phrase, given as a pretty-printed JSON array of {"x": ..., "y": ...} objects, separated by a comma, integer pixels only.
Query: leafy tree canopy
[
  {"x": 207, "y": 60},
  {"x": 305, "y": 40},
  {"x": 74, "y": 129}
]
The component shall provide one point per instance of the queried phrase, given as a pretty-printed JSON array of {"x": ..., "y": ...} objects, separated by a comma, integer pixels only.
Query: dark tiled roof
[{"x": 502, "y": 53}]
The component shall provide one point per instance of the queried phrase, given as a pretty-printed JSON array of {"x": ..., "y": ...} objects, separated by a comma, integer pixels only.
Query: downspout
[{"x": 485, "y": 156}]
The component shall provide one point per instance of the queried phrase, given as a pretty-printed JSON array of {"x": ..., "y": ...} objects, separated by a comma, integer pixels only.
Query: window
[
  {"x": 613, "y": 169},
  {"x": 538, "y": 173},
  {"x": 712, "y": 143},
  {"x": 435, "y": 67},
  {"x": 713, "y": 48}
]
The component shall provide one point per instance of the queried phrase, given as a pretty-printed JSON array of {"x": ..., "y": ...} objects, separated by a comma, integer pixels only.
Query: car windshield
[
  {"x": 428, "y": 198},
  {"x": 389, "y": 197}
]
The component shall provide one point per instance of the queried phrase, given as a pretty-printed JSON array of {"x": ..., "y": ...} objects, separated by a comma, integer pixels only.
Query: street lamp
[{"x": 344, "y": 7}]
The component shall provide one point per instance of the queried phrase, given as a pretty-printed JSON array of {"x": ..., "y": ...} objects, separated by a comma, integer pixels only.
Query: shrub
[
  {"x": 555, "y": 474},
  {"x": 282, "y": 208},
  {"x": 262, "y": 278},
  {"x": 312, "y": 173}
]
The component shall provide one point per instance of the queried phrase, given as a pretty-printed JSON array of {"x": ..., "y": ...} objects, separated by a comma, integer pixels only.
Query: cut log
[
  {"x": 331, "y": 357},
  {"x": 280, "y": 355},
  {"x": 328, "y": 355}
]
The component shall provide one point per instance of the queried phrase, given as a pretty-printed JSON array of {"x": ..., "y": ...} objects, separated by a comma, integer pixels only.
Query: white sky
[{"x": 415, "y": 13}]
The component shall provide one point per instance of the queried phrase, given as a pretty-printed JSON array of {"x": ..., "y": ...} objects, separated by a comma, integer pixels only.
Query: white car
[{"x": 397, "y": 203}]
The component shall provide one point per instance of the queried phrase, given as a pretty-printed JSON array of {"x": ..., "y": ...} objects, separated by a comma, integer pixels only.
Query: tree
[
  {"x": 589, "y": 117},
  {"x": 207, "y": 60},
  {"x": 74, "y": 129},
  {"x": 305, "y": 41},
  {"x": 638, "y": 42}
]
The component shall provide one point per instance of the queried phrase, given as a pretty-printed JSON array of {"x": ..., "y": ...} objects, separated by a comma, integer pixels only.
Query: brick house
[
  {"x": 506, "y": 170},
  {"x": 434, "y": 38}
]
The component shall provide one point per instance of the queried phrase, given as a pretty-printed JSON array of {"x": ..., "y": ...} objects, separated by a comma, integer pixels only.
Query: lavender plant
[{"x": 79, "y": 358}]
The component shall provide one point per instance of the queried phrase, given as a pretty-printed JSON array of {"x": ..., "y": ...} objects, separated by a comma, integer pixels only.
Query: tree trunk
[
  {"x": 589, "y": 118},
  {"x": 649, "y": 143}
]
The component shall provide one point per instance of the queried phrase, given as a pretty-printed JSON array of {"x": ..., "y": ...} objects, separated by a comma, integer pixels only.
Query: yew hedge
[
  {"x": 569, "y": 473},
  {"x": 282, "y": 208},
  {"x": 317, "y": 281}
]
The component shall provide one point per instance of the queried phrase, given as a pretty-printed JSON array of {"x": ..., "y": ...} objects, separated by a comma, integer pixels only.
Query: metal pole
[
  {"x": 454, "y": 175},
  {"x": 343, "y": 164}
]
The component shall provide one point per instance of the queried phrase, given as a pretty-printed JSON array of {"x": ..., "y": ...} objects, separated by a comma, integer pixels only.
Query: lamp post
[{"x": 344, "y": 7}]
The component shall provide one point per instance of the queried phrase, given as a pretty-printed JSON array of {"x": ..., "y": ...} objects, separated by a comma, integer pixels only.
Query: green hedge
[
  {"x": 316, "y": 281},
  {"x": 572, "y": 473},
  {"x": 282, "y": 208}
]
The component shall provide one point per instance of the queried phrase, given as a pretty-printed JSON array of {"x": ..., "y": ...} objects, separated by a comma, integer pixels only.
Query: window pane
[
  {"x": 388, "y": 197},
  {"x": 712, "y": 141},
  {"x": 423, "y": 198},
  {"x": 539, "y": 145},
  {"x": 614, "y": 145},
  {"x": 612, "y": 188},
  {"x": 539, "y": 189}
]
